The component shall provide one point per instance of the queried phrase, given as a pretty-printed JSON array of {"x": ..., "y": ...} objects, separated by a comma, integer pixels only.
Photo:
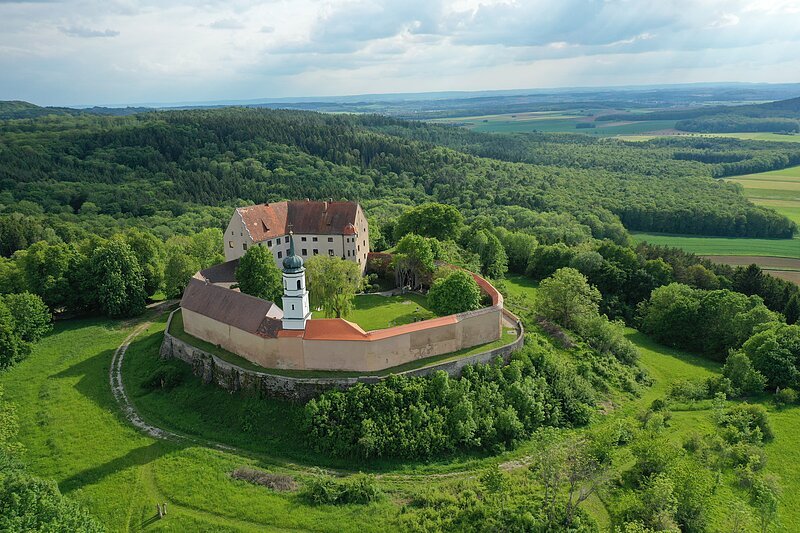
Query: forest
[
  {"x": 178, "y": 171},
  {"x": 101, "y": 215}
]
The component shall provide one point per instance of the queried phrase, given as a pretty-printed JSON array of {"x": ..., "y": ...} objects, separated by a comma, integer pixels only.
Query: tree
[
  {"x": 45, "y": 269},
  {"x": 149, "y": 252},
  {"x": 494, "y": 262},
  {"x": 518, "y": 247},
  {"x": 31, "y": 316},
  {"x": 11, "y": 279},
  {"x": 206, "y": 247},
  {"x": 439, "y": 221},
  {"x": 258, "y": 276},
  {"x": 117, "y": 279},
  {"x": 11, "y": 348},
  {"x": 455, "y": 293},
  {"x": 792, "y": 309},
  {"x": 179, "y": 270},
  {"x": 744, "y": 378},
  {"x": 413, "y": 261},
  {"x": 332, "y": 283},
  {"x": 567, "y": 298},
  {"x": 775, "y": 352},
  {"x": 670, "y": 315}
]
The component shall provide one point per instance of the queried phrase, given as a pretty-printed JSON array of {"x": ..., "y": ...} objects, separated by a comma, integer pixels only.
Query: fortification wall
[{"x": 212, "y": 369}]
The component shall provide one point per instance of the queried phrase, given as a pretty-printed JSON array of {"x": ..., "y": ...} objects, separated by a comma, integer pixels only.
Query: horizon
[
  {"x": 60, "y": 53},
  {"x": 419, "y": 95}
]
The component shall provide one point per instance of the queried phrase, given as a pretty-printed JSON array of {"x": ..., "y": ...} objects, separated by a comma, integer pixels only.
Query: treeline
[
  {"x": 782, "y": 108},
  {"x": 737, "y": 123}
]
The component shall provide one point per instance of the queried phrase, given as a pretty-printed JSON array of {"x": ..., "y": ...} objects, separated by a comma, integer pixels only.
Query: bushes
[
  {"x": 490, "y": 408},
  {"x": 745, "y": 379},
  {"x": 323, "y": 489},
  {"x": 455, "y": 293},
  {"x": 165, "y": 377}
]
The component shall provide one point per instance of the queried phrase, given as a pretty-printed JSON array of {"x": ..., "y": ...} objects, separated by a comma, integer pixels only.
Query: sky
[{"x": 111, "y": 52}]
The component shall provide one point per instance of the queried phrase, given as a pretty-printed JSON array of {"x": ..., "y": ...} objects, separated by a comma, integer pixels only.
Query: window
[
  {"x": 286, "y": 239},
  {"x": 348, "y": 253},
  {"x": 330, "y": 239},
  {"x": 316, "y": 252},
  {"x": 298, "y": 285},
  {"x": 304, "y": 251},
  {"x": 359, "y": 248},
  {"x": 303, "y": 239},
  {"x": 231, "y": 232},
  {"x": 313, "y": 239},
  {"x": 330, "y": 253},
  {"x": 230, "y": 244},
  {"x": 244, "y": 246},
  {"x": 269, "y": 243},
  {"x": 292, "y": 307},
  {"x": 280, "y": 254}
]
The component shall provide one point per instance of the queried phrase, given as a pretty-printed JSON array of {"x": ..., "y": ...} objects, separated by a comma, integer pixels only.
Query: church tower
[{"x": 295, "y": 296}]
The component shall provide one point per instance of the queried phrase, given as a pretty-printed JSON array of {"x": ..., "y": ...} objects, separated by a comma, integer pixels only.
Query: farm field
[
  {"x": 778, "y": 189},
  {"x": 725, "y": 245},
  {"x": 760, "y": 136},
  {"x": 556, "y": 122}
]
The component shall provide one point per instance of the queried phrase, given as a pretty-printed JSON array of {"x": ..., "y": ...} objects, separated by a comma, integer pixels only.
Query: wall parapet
[{"x": 212, "y": 369}]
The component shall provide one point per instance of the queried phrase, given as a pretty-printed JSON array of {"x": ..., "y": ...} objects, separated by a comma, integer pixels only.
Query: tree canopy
[
  {"x": 258, "y": 275},
  {"x": 333, "y": 283}
]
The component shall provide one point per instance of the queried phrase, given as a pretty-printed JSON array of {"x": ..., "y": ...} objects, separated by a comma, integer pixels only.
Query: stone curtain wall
[{"x": 212, "y": 369}]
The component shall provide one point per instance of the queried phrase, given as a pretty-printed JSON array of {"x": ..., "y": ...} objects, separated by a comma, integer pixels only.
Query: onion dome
[{"x": 292, "y": 263}]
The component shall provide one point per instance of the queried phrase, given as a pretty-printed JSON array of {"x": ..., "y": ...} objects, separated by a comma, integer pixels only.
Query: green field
[
  {"x": 372, "y": 311},
  {"x": 555, "y": 122},
  {"x": 778, "y": 189},
  {"x": 773, "y": 137},
  {"x": 725, "y": 245}
]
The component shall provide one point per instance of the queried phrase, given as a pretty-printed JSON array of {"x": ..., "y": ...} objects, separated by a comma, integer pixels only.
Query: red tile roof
[
  {"x": 267, "y": 221},
  {"x": 230, "y": 307}
]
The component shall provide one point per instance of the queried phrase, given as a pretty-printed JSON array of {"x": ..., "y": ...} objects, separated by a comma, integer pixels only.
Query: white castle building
[{"x": 337, "y": 229}]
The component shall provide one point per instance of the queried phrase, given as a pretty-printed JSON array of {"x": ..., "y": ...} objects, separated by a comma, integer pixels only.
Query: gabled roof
[
  {"x": 267, "y": 221},
  {"x": 230, "y": 307}
]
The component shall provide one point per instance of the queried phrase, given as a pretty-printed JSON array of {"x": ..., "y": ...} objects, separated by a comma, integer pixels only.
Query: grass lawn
[
  {"x": 372, "y": 311},
  {"x": 724, "y": 245}
]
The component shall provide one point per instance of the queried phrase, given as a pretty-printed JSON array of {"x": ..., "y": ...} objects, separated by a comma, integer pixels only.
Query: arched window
[{"x": 298, "y": 284}]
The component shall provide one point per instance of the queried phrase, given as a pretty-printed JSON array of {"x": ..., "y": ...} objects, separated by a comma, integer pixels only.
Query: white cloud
[{"x": 164, "y": 50}]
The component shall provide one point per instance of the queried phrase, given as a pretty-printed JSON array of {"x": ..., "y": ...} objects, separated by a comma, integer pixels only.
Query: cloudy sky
[{"x": 124, "y": 51}]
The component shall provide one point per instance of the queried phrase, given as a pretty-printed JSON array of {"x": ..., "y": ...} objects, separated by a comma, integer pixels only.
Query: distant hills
[
  {"x": 670, "y": 102},
  {"x": 18, "y": 109}
]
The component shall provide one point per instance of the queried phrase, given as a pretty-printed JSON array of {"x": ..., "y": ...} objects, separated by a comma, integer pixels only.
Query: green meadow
[
  {"x": 778, "y": 189},
  {"x": 74, "y": 432},
  {"x": 725, "y": 245}
]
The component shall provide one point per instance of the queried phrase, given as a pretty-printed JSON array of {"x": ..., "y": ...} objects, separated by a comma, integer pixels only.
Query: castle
[
  {"x": 337, "y": 229},
  {"x": 287, "y": 337}
]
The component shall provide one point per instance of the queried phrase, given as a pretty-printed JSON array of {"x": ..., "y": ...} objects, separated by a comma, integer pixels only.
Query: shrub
[
  {"x": 687, "y": 390},
  {"x": 165, "y": 377},
  {"x": 323, "y": 489},
  {"x": 455, "y": 293},
  {"x": 744, "y": 378},
  {"x": 276, "y": 482},
  {"x": 746, "y": 423},
  {"x": 786, "y": 396}
]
